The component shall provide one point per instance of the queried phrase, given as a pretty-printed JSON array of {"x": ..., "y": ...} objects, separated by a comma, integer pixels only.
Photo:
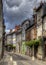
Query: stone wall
[{"x": 1, "y": 29}]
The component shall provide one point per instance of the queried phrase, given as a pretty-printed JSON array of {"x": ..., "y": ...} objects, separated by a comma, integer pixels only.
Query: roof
[
  {"x": 16, "y": 30},
  {"x": 30, "y": 26},
  {"x": 25, "y": 21},
  {"x": 40, "y": 6},
  {"x": 44, "y": 16},
  {"x": 19, "y": 31},
  {"x": 44, "y": 11}
]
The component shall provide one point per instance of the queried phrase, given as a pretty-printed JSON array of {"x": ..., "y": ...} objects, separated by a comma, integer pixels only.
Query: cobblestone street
[
  {"x": 18, "y": 59},
  {"x": 22, "y": 32}
]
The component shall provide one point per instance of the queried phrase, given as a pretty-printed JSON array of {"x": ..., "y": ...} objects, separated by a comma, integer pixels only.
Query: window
[{"x": 27, "y": 25}]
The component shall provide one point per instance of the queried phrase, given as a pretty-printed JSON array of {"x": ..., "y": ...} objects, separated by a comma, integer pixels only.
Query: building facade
[
  {"x": 31, "y": 30},
  {"x": 2, "y": 31},
  {"x": 44, "y": 29},
  {"x": 41, "y": 28},
  {"x": 14, "y": 39},
  {"x": 18, "y": 40},
  {"x": 31, "y": 33},
  {"x": 24, "y": 25},
  {"x": 9, "y": 39}
]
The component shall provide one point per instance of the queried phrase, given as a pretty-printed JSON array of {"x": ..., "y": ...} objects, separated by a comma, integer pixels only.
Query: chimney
[
  {"x": 10, "y": 30},
  {"x": 41, "y": 2},
  {"x": 34, "y": 9},
  {"x": 17, "y": 27}
]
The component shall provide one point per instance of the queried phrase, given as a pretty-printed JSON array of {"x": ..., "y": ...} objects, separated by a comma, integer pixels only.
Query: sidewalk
[
  {"x": 6, "y": 60},
  {"x": 39, "y": 62}
]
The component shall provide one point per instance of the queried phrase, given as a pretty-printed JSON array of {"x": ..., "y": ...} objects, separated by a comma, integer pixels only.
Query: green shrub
[
  {"x": 28, "y": 43},
  {"x": 36, "y": 42},
  {"x": 14, "y": 47},
  {"x": 11, "y": 45},
  {"x": 8, "y": 44},
  {"x": 33, "y": 42}
]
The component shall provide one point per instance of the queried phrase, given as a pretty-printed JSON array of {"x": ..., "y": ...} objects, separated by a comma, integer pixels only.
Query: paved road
[{"x": 18, "y": 59}]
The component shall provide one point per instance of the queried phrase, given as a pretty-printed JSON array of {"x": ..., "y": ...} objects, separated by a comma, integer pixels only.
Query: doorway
[{"x": 45, "y": 49}]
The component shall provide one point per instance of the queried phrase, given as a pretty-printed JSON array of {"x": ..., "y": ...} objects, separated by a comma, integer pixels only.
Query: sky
[{"x": 16, "y": 11}]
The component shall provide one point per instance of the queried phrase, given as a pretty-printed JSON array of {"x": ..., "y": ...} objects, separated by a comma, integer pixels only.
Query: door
[{"x": 45, "y": 48}]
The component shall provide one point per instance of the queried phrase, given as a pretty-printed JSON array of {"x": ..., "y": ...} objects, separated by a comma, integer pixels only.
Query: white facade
[
  {"x": 14, "y": 39},
  {"x": 23, "y": 33},
  {"x": 24, "y": 26},
  {"x": 18, "y": 41},
  {"x": 9, "y": 39}
]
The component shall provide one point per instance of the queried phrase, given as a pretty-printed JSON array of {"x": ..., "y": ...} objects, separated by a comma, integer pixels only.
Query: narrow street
[
  {"x": 22, "y": 32},
  {"x": 18, "y": 59}
]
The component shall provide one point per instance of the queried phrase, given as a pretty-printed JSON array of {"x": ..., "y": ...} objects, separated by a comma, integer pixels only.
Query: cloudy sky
[{"x": 15, "y": 11}]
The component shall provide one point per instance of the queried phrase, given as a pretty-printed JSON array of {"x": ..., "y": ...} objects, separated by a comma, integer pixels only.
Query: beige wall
[
  {"x": 39, "y": 23},
  {"x": 32, "y": 34},
  {"x": 9, "y": 39},
  {"x": 39, "y": 31},
  {"x": 18, "y": 42},
  {"x": 44, "y": 26},
  {"x": 45, "y": 23}
]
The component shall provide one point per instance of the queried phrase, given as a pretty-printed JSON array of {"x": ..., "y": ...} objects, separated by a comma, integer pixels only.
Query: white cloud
[{"x": 15, "y": 11}]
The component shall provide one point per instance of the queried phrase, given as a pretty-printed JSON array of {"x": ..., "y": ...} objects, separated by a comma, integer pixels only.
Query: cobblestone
[{"x": 19, "y": 59}]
